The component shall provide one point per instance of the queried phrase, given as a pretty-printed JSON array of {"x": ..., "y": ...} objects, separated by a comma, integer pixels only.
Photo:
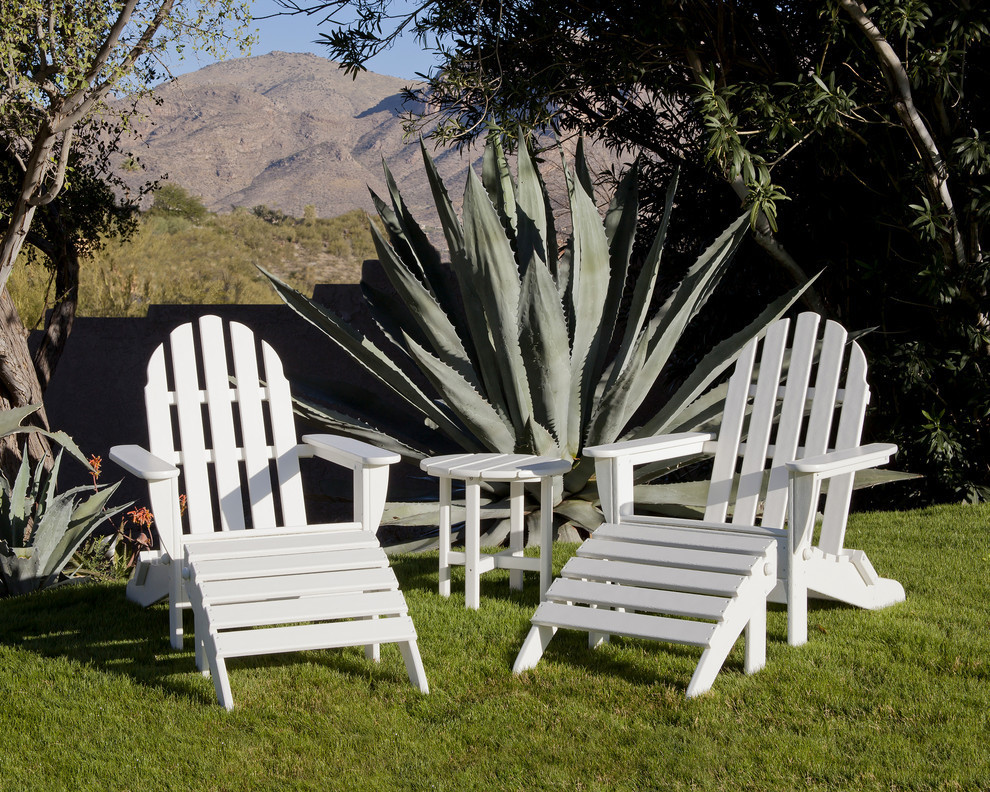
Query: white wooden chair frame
[
  {"x": 717, "y": 573},
  {"x": 248, "y": 556},
  {"x": 768, "y": 481}
]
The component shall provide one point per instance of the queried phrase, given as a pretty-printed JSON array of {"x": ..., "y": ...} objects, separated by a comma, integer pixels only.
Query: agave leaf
[
  {"x": 399, "y": 241},
  {"x": 620, "y": 232},
  {"x": 661, "y": 335},
  {"x": 589, "y": 285},
  {"x": 369, "y": 356},
  {"x": 581, "y": 513},
  {"x": 10, "y": 423},
  {"x": 354, "y": 427},
  {"x": 390, "y": 315},
  {"x": 718, "y": 360},
  {"x": 543, "y": 333},
  {"x": 581, "y": 170},
  {"x": 497, "y": 179},
  {"x": 411, "y": 233},
  {"x": 86, "y": 517},
  {"x": 533, "y": 231},
  {"x": 426, "y": 311},
  {"x": 643, "y": 292},
  {"x": 448, "y": 217},
  {"x": 464, "y": 401},
  {"x": 498, "y": 288},
  {"x": 20, "y": 504}
]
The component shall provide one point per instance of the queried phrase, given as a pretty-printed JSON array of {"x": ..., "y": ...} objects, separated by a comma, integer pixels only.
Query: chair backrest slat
[
  {"x": 754, "y": 464},
  {"x": 826, "y": 387},
  {"x": 804, "y": 412},
  {"x": 794, "y": 398},
  {"x": 284, "y": 439},
  {"x": 192, "y": 442},
  {"x": 253, "y": 440},
  {"x": 733, "y": 417},
  {"x": 848, "y": 435},
  {"x": 219, "y": 397}
]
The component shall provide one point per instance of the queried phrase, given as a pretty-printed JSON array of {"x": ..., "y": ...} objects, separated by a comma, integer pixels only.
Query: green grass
[{"x": 93, "y": 698}]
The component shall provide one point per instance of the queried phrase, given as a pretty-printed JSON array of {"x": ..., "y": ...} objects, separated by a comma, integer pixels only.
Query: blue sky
[{"x": 299, "y": 34}]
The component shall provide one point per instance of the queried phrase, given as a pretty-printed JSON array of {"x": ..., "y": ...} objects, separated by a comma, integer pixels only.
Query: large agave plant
[{"x": 512, "y": 347}]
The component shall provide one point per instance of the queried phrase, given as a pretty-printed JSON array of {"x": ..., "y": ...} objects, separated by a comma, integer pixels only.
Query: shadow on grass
[{"x": 96, "y": 626}]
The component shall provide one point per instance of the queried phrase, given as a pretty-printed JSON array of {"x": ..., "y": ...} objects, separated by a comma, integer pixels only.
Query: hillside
[
  {"x": 284, "y": 130},
  {"x": 287, "y": 130}
]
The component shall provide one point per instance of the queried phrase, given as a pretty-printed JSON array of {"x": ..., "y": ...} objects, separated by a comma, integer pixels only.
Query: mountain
[{"x": 285, "y": 130}]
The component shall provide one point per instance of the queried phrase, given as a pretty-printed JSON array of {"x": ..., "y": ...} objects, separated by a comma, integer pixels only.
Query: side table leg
[
  {"x": 517, "y": 496},
  {"x": 546, "y": 534},
  {"x": 444, "y": 536},
  {"x": 472, "y": 536}
]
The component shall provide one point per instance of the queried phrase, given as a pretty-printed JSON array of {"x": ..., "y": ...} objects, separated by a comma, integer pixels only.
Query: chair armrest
[
  {"x": 653, "y": 449},
  {"x": 143, "y": 464},
  {"x": 348, "y": 452},
  {"x": 845, "y": 460}
]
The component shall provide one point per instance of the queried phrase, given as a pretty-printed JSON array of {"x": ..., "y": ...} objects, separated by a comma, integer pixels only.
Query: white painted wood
[
  {"x": 254, "y": 443},
  {"x": 219, "y": 396},
  {"x": 474, "y": 470},
  {"x": 282, "y": 571},
  {"x": 825, "y": 375},
  {"x": 284, "y": 439},
  {"x": 833, "y": 530},
  {"x": 734, "y": 415},
  {"x": 626, "y": 597},
  {"x": 189, "y": 416},
  {"x": 749, "y": 483},
  {"x": 794, "y": 398},
  {"x": 633, "y": 625}
]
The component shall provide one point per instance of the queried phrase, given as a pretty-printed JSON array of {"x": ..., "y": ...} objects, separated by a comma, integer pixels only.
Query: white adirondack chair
[
  {"x": 802, "y": 426},
  {"x": 246, "y": 556}
]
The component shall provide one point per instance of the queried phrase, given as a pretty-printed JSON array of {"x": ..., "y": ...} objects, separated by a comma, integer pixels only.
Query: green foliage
[
  {"x": 858, "y": 132},
  {"x": 512, "y": 348},
  {"x": 39, "y": 529},
  {"x": 11, "y": 423},
  {"x": 174, "y": 200}
]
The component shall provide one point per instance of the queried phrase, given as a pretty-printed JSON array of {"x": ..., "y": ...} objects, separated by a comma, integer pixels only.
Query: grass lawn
[{"x": 94, "y": 698}]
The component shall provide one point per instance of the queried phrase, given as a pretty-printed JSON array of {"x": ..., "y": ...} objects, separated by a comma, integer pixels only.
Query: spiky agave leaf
[{"x": 497, "y": 290}]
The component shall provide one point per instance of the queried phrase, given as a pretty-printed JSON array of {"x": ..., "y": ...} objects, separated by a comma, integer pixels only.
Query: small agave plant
[
  {"x": 518, "y": 348},
  {"x": 39, "y": 529}
]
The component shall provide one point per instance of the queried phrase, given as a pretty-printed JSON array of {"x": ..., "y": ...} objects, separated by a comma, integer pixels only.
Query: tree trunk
[{"x": 19, "y": 387}]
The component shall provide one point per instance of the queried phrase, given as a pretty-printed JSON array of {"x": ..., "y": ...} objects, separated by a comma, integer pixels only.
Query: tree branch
[{"x": 899, "y": 86}]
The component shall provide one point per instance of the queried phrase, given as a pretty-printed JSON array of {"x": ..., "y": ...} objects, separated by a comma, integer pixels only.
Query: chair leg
[
  {"x": 373, "y": 652},
  {"x": 711, "y": 662},
  {"x": 533, "y": 648},
  {"x": 174, "y": 624},
  {"x": 756, "y": 641},
  {"x": 414, "y": 665},
  {"x": 797, "y": 604}
]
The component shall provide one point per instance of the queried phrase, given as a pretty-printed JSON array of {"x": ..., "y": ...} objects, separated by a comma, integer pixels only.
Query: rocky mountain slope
[
  {"x": 284, "y": 130},
  {"x": 287, "y": 130}
]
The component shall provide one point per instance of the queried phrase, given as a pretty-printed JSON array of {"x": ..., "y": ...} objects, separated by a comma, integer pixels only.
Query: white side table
[{"x": 473, "y": 469}]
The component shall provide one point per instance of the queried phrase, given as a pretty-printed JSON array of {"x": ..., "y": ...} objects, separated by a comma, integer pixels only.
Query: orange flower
[
  {"x": 182, "y": 504},
  {"x": 94, "y": 463},
  {"x": 141, "y": 517}
]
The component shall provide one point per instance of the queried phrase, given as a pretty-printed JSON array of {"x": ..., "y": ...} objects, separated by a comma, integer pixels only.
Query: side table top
[{"x": 495, "y": 467}]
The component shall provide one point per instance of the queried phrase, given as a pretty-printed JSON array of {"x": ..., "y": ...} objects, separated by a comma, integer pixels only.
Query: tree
[
  {"x": 857, "y": 138},
  {"x": 60, "y": 60}
]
